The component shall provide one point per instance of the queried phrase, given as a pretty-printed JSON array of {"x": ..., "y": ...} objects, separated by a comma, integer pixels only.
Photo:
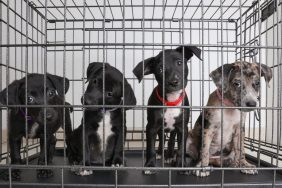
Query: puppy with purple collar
[
  {"x": 238, "y": 88},
  {"x": 173, "y": 79}
]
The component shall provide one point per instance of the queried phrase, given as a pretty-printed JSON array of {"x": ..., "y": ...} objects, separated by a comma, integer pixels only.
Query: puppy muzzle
[{"x": 51, "y": 115}]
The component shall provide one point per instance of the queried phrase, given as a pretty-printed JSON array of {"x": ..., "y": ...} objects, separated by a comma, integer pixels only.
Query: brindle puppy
[{"x": 240, "y": 90}]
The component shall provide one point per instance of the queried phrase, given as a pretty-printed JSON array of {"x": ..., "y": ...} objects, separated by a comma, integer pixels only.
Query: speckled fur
[{"x": 205, "y": 140}]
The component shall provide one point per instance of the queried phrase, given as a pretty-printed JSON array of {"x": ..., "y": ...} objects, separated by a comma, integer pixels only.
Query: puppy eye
[
  {"x": 257, "y": 83},
  {"x": 237, "y": 84},
  {"x": 109, "y": 94},
  {"x": 95, "y": 81},
  {"x": 179, "y": 62},
  {"x": 51, "y": 93},
  {"x": 30, "y": 99}
]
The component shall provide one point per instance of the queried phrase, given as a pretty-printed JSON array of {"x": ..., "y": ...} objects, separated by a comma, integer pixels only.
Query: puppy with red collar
[
  {"x": 238, "y": 88},
  {"x": 169, "y": 92}
]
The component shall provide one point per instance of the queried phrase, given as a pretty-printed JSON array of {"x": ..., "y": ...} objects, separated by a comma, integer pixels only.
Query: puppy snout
[
  {"x": 48, "y": 115},
  {"x": 251, "y": 104},
  {"x": 174, "y": 82},
  {"x": 86, "y": 99}
]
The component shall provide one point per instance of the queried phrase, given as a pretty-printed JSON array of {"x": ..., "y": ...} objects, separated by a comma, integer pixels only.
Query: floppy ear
[
  {"x": 13, "y": 93},
  {"x": 189, "y": 51},
  {"x": 148, "y": 68},
  {"x": 217, "y": 76},
  {"x": 266, "y": 72},
  {"x": 58, "y": 83},
  {"x": 129, "y": 97},
  {"x": 94, "y": 67}
]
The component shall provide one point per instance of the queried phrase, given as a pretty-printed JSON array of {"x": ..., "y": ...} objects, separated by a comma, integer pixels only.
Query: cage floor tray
[{"x": 133, "y": 178}]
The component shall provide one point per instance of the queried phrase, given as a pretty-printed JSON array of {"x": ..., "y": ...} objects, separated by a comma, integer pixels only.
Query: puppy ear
[
  {"x": 189, "y": 51},
  {"x": 94, "y": 67},
  {"x": 58, "y": 83},
  {"x": 217, "y": 76},
  {"x": 266, "y": 72},
  {"x": 148, "y": 68},
  {"x": 129, "y": 97},
  {"x": 13, "y": 93}
]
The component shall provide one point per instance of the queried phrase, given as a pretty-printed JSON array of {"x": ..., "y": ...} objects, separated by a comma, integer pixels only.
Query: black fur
[
  {"x": 173, "y": 80},
  {"x": 93, "y": 116},
  {"x": 54, "y": 116}
]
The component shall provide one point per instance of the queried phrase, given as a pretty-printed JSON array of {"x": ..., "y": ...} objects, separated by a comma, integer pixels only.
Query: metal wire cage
[{"x": 63, "y": 37}]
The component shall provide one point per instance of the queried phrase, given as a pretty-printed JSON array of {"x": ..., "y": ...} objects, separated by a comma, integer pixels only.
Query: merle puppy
[
  {"x": 105, "y": 128},
  {"x": 34, "y": 116},
  {"x": 238, "y": 88},
  {"x": 173, "y": 79}
]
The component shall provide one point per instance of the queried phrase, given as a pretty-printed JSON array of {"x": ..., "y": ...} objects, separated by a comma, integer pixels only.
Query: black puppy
[
  {"x": 173, "y": 79},
  {"x": 103, "y": 126},
  {"x": 34, "y": 89}
]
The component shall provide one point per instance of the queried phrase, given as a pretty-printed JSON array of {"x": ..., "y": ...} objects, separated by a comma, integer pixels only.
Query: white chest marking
[
  {"x": 33, "y": 129},
  {"x": 231, "y": 118},
  {"x": 171, "y": 113},
  {"x": 108, "y": 129}
]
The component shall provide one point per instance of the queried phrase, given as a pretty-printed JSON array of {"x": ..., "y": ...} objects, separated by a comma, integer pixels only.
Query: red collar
[
  {"x": 168, "y": 103},
  {"x": 225, "y": 101}
]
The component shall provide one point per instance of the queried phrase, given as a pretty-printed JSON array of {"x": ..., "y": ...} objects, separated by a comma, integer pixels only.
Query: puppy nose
[
  {"x": 251, "y": 104},
  {"x": 174, "y": 82},
  {"x": 48, "y": 115}
]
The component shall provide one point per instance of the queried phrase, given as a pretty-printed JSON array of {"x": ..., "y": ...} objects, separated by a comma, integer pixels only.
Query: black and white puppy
[
  {"x": 33, "y": 94},
  {"x": 173, "y": 79},
  {"x": 105, "y": 128}
]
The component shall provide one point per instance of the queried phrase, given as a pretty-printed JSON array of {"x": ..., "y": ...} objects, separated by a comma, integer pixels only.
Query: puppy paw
[
  {"x": 203, "y": 172},
  {"x": 117, "y": 162},
  {"x": 149, "y": 172},
  {"x": 150, "y": 163},
  {"x": 80, "y": 171},
  {"x": 253, "y": 171},
  {"x": 83, "y": 172},
  {"x": 44, "y": 173},
  {"x": 249, "y": 171},
  {"x": 158, "y": 156},
  {"x": 169, "y": 160},
  {"x": 117, "y": 165},
  {"x": 15, "y": 175}
]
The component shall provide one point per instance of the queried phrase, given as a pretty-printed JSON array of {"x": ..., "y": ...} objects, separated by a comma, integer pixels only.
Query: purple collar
[{"x": 29, "y": 118}]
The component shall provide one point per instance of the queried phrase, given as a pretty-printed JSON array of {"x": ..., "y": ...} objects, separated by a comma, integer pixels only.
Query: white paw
[
  {"x": 158, "y": 157},
  {"x": 249, "y": 171},
  {"x": 83, "y": 172},
  {"x": 252, "y": 168},
  {"x": 117, "y": 165},
  {"x": 149, "y": 172},
  {"x": 201, "y": 173},
  {"x": 168, "y": 161},
  {"x": 206, "y": 171}
]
